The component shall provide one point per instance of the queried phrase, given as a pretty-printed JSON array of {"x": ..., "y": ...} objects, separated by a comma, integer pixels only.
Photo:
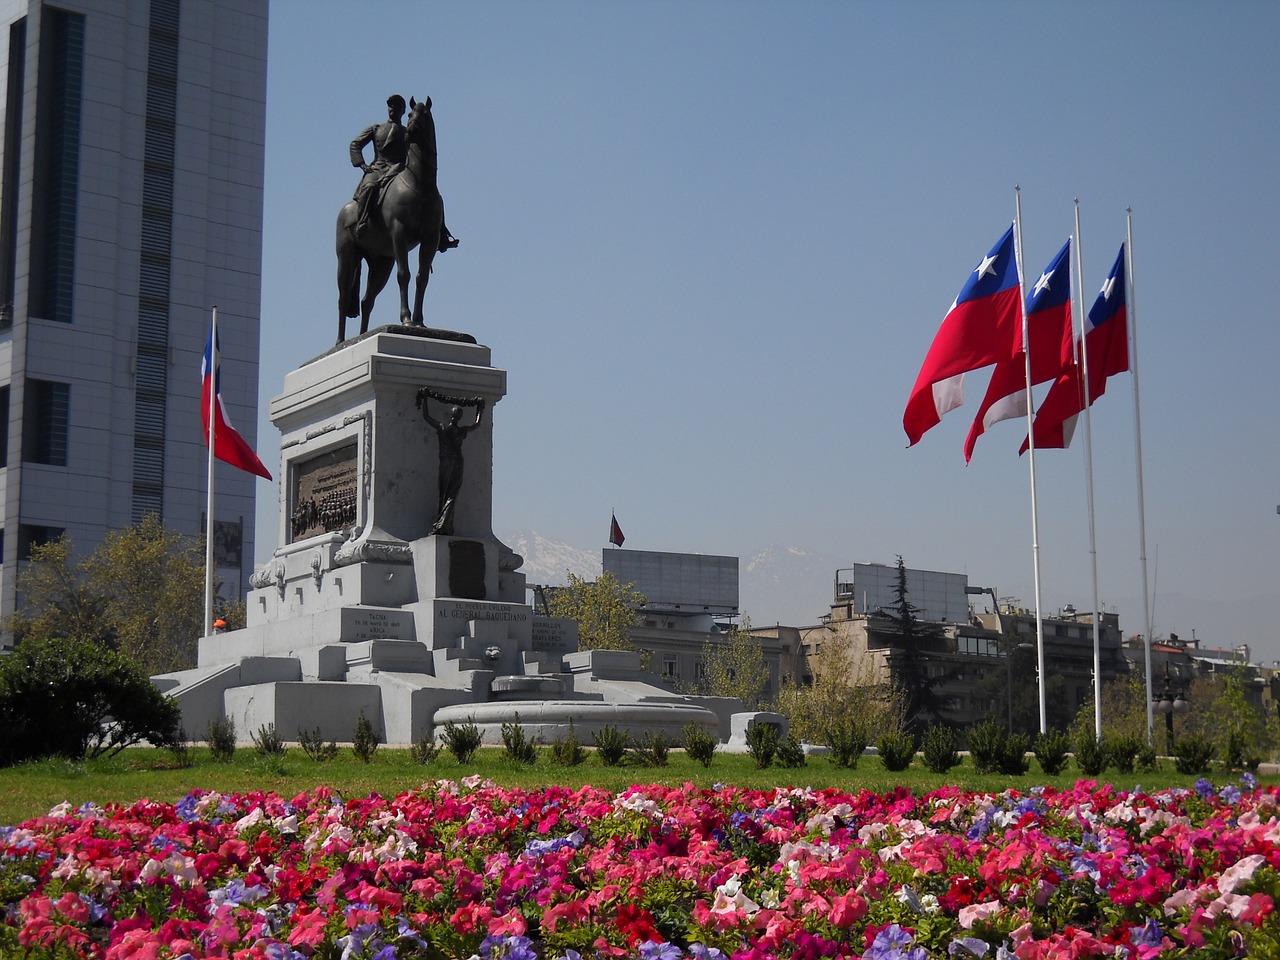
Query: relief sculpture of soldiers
[{"x": 396, "y": 207}]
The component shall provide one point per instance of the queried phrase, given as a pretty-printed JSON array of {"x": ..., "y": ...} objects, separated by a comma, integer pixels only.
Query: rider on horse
[{"x": 390, "y": 149}]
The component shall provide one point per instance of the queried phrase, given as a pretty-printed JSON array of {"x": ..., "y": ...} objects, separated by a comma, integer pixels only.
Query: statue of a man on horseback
[{"x": 396, "y": 207}]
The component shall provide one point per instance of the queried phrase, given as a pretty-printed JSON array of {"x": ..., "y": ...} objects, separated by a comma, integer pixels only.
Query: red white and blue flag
[
  {"x": 228, "y": 445},
  {"x": 980, "y": 329},
  {"x": 1049, "y": 327},
  {"x": 1105, "y": 349}
]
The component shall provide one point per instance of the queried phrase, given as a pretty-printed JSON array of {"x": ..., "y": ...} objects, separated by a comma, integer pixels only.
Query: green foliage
[
  {"x": 986, "y": 744},
  {"x": 939, "y": 748},
  {"x": 314, "y": 747},
  {"x": 790, "y": 754},
  {"x": 567, "y": 751},
  {"x": 699, "y": 744},
  {"x": 1122, "y": 752},
  {"x": 735, "y": 667},
  {"x": 462, "y": 740},
  {"x": 762, "y": 743},
  {"x": 896, "y": 749},
  {"x": 1192, "y": 754},
  {"x": 267, "y": 742},
  {"x": 76, "y": 698},
  {"x": 653, "y": 750},
  {"x": 846, "y": 738},
  {"x": 364, "y": 740},
  {"x": 424, "y": 750},
  {"x": 611, "y": 745},
  {"x": 605, "y": 610},
  {"x": 1091, "y": 754},
  {"x": 516, "y": 745},
  {"x": 1240, "y": 754},
  {"x": 1013, "y": 758},
  {"x": 1051, "y": 750},
  {"x": 916, "y": 638},
  {"x": 1146, "y": 757},
  {"x": 180, "y": 750},
  {"x": 221, "y": 737},
  {"x": 141, "y": 591}
]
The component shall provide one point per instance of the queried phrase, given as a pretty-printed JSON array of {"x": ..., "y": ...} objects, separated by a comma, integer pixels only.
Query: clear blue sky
[{"x": 711, "y": 242}]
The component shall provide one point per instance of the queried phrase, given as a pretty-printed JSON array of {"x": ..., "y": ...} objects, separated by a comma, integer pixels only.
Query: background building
[{"x": 130, "y": 203}]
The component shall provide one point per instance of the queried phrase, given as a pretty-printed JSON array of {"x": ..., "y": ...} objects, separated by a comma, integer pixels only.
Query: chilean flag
[
  {"x": 980, "y": 329},
  {"x": 1049, "y": 326},
  {"x": 1106, "y": 349},
  {"x": 228, "y": 445},
  {"x": 615, "y": 531}
]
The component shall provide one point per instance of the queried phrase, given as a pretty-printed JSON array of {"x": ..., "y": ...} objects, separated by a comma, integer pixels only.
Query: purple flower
[
  {"x": 1204, "y": 788},
  {"x": 1248, "y": 780},
  {"x": 659, "y": 951},
  {"x": 496, "y": 947},
  {"x": 894, "y": 943},
  {"x": 968, "y": 947},
  {"x": 700, "y": 951},
  {"x": 1230, "y": 794}
]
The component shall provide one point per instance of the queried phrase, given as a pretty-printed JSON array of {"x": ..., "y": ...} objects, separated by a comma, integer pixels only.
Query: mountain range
[{"x": 777, "y": 584}]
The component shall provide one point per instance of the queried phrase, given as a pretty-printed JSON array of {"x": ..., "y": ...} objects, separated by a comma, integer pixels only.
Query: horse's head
[{"x": 421, "y": 126}]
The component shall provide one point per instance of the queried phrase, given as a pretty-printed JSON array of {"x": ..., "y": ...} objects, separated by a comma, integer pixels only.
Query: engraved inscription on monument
[
  {"x": 324, "y": 493},
  {"x": 553, "y": 636}
]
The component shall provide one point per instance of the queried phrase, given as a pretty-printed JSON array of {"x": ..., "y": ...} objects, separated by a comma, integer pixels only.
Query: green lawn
[{"x": 31, "y": 789}]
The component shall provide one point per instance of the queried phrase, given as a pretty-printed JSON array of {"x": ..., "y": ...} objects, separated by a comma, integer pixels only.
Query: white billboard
[
  {"x": 687, "y": 582},
  {"x": 937, "y": 596}
]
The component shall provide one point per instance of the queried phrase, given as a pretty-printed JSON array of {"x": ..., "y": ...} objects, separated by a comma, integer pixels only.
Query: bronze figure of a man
[
  {"x": 390, "y": 150},
  {"x": 449, "y": 479}
]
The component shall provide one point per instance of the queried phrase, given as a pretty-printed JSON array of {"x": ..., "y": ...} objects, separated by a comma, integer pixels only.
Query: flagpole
[
  {"x": 1088, "y": 471},
  {"x": 1031, "y": 459},
  {"x": 208, "y": 517},
  {"x": 1137, "y": 429}
]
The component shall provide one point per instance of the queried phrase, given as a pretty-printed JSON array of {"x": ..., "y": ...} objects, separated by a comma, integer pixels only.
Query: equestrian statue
[{"x": 396, "y": 207}]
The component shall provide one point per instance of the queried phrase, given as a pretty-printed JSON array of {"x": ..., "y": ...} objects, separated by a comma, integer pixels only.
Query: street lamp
[{"x": 1171, "y": 702}]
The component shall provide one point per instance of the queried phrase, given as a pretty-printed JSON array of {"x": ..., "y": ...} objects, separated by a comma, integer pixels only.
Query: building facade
[{"x": 130, "y": 204}]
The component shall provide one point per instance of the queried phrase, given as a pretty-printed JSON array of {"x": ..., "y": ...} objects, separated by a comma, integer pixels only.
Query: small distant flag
[
  {"x": 980, "y": 329},
  {"x": 228, "y": 445},
  {"x": 615, "y": 532}
]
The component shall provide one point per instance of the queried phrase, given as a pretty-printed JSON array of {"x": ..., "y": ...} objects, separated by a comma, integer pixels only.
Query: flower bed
[{"x": 471, "y": 869}]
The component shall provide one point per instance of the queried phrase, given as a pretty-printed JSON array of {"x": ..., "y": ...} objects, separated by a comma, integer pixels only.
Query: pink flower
[{"x": 975, "y": 912}]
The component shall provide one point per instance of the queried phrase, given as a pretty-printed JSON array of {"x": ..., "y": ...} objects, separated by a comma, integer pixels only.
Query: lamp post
[{"x": 1171, "y": 702}]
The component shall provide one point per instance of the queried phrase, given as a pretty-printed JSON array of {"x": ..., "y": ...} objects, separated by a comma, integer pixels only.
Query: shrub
[
  {"x": 1013, "y": 755},
  {"x": 267, "y": 741},
  {"x": 424, "y": 749},
  {"x": 1146, "y": 757},
  {"x": 516, "y": 746},
  {"x": 986, "y": 744},
  {"x": 790, "y": 754},
  {"x": 462, "y": 740},
  {"x": 1091, "y": 754},
  {"x": 180, "y": 750},
  {"x": 762, "y": 743},
  {"x": 364, "y": 741},
  {"x": 76, "y": 699},
  {"x": 1192, "y": 754},
  {"x": 567, "y": 751},
  {"x": 611, "y": 745},
  {"x": 896, "y": 749},
  {"x": 846, "y": 739},
  {"x": 652, "y": 750},
  {"x": 1238, "y": 755},
  {"x": 1051, "y": 749},
  {"x": 1122, "y": 752},
  {"x": 940, "y": 748},
  {"x": 315, "y": 748},
  {"x": 699, "y": 745},
  {"x": 221, "y": 737}
]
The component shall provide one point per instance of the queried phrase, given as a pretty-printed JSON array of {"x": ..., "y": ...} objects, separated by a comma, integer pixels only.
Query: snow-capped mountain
[{"x": 547, "y": 560}]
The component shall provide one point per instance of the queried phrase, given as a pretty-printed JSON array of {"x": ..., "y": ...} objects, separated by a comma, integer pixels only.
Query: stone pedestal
[{"x": 363, "y": 608}]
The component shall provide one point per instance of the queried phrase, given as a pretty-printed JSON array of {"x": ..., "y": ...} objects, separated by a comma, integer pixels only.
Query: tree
[
  {"x": 921, "y": 703},
  {"x": 74, "y": 697},
  {"x": 605, "y": 609},
  {"x": 735, "y": 667},
  {"x": 844, "y": 688},
  {"x": 141, "y": 592}
]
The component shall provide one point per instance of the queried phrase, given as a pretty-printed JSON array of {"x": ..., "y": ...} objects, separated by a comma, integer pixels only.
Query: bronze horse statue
[{"x": 408, "y": 214}]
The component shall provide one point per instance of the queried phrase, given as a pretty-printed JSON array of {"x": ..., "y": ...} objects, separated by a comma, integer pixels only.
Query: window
[
  {"x": 31, "y": 536},
  {"x": 45, "y": 422},
  {"x": 4, "y": 425},
  {"x": 670, "y": 668}
]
